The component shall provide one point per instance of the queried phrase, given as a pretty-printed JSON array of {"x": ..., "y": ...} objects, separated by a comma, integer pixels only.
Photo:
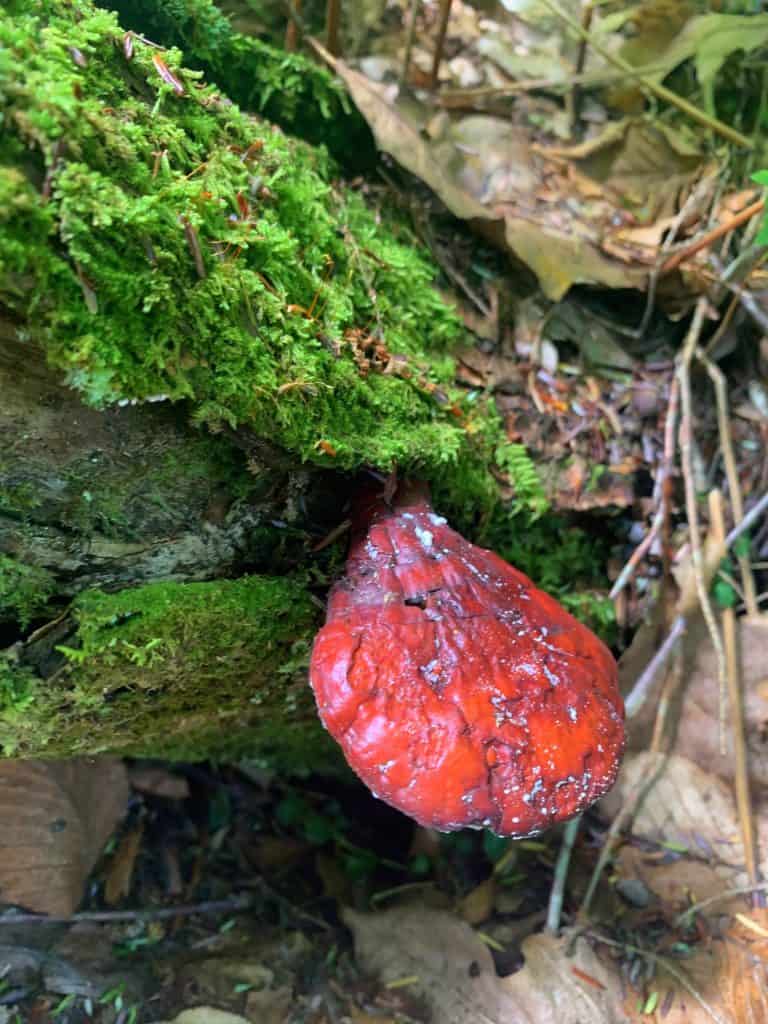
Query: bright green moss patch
[
  {"x": 24, "y": 590},
  {"x": 179, "y": 671},
  {"x": 169, "y": 244},
  {"x": 286, "y": 88}
]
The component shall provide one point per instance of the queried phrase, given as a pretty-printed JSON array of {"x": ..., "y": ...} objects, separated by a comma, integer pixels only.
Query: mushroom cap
[{"x": 459, "y": 692}]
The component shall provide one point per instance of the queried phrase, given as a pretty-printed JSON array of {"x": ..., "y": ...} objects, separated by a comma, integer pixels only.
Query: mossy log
[{"x": 203, "y": 334}]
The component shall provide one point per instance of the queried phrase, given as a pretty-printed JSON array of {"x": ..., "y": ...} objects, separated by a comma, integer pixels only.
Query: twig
[
  {"x": 668, "y": 967},
  {"x": 292, "y": 29},
  {"x": 731, "y": 473},
  {"x": 664, "y": 472},
  {"x": 555, "y": 908},
  {"x": 445, "y": 13},
  {"x": 733, "y": 675},
  {"x": 409, "y": 38},
  {"x": 332, "y": 23},
  {"x": 581, "y": 59},
  {"x": 686, "y": 460},
  {"x": 741, "y": 890},
  {"x": 235, "y": 904},
  {"x": 712, "y": 236},
  {"x": 748, "y": 521},
  {"x": 628, "y": 810},
  {"x": 745, "y": 297},
  {"x": 658, "y": 90},
  {"x": 668, "y": 691},
  {"x": 692, "y": 205},
  {"x": 636, "y": 697}
]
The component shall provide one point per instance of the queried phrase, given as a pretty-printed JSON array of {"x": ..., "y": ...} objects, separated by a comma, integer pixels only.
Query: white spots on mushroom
[
  {"x": 436, "y": 520},
  {"x": 425, "y": 537},
  {"x": 572, "y": 713},
  {"x": 553, "y": 679},
  {"x": 536, "y": 788},
  {"x": 386, "y": 765}
]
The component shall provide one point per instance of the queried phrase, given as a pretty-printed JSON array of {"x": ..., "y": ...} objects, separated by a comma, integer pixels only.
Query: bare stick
[
  {"x": 627, "y": 812},
  {"x": 741, "y": 890},
  {"x": 445, "y": 13},
  {"x": 665, "y": 964},
  {"x": 712, "y": 236},
  {"x": 332, "y": 23},
  {"x": 686, "y": 460},
  {"x": 664, "y": 472},
  {"x": 655, "y": 88},
  {"x": 409, "y": 38},
  {"x": 731, "y": 473},
  {"x": 555, "y": 908},
  {"x": 292, "y": 29},
  {"x": 733, "y": 674},
  {"x": 745, "y": 297},
  {"x": 236, "y": 903}
]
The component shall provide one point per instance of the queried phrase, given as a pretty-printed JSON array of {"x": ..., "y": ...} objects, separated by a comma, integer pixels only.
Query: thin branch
[
  {"x": 658, "y": 90},
  {"x": 665, "y": 471},
  {"x": 686, "y": 459},
  {"x": 233, "y": 905},
  {"x": 742, "y": 890},
  {"x": 731, "y": 473},
  {"x": 332, "y": 26},
  {"x": 733, "y": 676},
  {"x": 712, "y": 236},
  {"x": 555, "y": 908},
  {"x": 745, "y": 297},
  {"x": 668, "y": 967},
  {"x": 409, "y": 40},
  {"x": 626, "y": 813},
  {"x": 445, "y": 13}
]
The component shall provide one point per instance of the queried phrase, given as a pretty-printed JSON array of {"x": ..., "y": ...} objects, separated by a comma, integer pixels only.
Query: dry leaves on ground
[
  {"x": 692, "y": 815},
  {"x": 453, "y": 971},
  {"x": 55, "y": 818},
  {"x": 596, "y": 212}
]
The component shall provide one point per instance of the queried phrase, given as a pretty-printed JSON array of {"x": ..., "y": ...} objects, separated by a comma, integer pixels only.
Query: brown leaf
[
  {"x": 454, "y": 971},
  {"x": 55, "y": 818},
  {"x": 120, "y": 873},
  {"x": 158, "y": 782},
  {"x": 477, "y": 905}
]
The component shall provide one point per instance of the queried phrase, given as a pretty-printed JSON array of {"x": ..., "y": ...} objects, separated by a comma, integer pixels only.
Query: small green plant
[{"x": 515, "y": 460}]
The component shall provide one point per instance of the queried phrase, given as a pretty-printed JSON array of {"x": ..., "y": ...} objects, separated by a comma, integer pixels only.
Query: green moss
[
  {"x": 287, "y": 88},
  {"x": 149, "y": 191},
  {"x": 24, "y": 590},
  {"x": 176, "y": 670}
]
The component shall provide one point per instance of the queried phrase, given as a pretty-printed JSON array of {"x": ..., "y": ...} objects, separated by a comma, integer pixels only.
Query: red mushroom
[{"x": 459, "y": 692}]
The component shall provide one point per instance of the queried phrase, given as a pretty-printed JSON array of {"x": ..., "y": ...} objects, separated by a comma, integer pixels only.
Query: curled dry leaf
[
  {"x": 55, "y": 818},
  {"x": 454, "y": 971}
]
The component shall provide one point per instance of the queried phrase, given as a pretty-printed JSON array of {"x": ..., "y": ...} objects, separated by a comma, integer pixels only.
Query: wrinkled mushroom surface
[{"x": 459, "y": 692}]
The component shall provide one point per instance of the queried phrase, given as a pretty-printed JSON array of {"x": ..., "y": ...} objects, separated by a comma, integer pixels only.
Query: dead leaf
[
  {"x": 206, "y": 1015},
  {"x": 55, "y": 818},
  {"x": 270, "y": 1006},
  {"x": 477, "y": 905},
  {"x": 454, "y": 972},
  {"x": 158, "y": 782},
  {"x": 120, "y": 872}
]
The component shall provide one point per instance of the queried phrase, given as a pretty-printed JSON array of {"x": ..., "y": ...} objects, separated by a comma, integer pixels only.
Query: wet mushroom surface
[{"x": 461, "y": 693}]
